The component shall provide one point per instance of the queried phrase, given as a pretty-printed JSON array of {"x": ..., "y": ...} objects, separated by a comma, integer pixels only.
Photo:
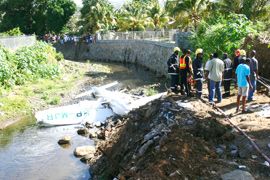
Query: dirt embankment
[{"x": 165, "y": 141}]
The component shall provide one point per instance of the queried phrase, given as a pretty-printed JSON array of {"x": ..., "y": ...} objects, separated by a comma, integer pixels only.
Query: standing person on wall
[
  {"x": 185, "y": 65},
  {"x": 173, "y": 69}
]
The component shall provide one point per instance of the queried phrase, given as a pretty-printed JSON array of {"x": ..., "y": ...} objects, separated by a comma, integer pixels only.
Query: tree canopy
[
  {"x": 41, "y": 16},
  {"x": 96, "y": 15},
  {"x": 36, "y": 16}
]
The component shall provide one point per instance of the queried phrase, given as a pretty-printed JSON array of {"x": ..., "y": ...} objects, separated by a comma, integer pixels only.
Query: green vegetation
[
  {"x": 150, "y": 91},
  {"x": 35, "y": 16},
  {"x": 97, "y": 15},
  {"x": 13, "y": 32},
  {"x": 28, "y": 64},
  {"x": 223, "y": 34},
  {"x": 20, "y": 101},
  {"x": 57, "y": 16}
]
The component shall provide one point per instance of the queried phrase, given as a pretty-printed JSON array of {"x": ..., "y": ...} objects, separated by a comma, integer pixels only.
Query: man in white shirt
[{"x": 215, "y": 69}]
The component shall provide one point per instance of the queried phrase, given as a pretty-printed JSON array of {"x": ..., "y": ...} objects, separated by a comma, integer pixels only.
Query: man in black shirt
[
  {"x": 173, "y": 69},
  {"x": 227, "y": 74},
  {"x": 198, "y": 71}
]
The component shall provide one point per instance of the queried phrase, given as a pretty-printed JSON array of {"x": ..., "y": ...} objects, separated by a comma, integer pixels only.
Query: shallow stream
[{"x": 30, "y": 152}]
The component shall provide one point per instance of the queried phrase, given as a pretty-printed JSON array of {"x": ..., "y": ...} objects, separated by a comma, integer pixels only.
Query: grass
[
  {"x": 150, "y": 91},
  {"x": 22, "y": 100}
]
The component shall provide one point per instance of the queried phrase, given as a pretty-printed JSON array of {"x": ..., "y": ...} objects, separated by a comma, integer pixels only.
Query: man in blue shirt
[{"x": 243, "y": 81}]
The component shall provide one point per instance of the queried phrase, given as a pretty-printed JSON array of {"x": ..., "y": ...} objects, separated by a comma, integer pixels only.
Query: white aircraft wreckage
[{"x": 105, "y": 104}]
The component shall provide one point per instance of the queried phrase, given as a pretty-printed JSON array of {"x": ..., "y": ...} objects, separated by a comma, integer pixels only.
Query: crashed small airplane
[{"x": 105, "y": 104}]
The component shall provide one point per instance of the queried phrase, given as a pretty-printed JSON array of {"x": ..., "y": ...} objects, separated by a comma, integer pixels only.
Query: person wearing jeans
[
  {"x": 215, "y": 87},
  {"x": 215, "y": 69}
]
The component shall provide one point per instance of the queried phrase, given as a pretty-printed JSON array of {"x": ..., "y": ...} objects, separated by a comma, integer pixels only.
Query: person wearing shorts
[{"x": 243, "y": 81}]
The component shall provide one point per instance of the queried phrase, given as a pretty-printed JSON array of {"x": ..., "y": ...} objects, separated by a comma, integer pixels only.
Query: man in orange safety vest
[{"x": 185, "y": 66}]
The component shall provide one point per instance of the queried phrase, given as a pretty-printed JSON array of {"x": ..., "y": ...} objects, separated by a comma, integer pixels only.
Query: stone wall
[
  {"x": 14, "y": 43},
  {"x": 152, "y": 55},
  {"x": 182, "y": 40}
]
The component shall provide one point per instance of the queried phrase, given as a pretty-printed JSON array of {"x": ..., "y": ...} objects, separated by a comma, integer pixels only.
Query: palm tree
[
  {"x": 187, "y": 12},
  {"x": 133, "y": 17},
  {"x": 253, "y": 9},
  {"x": 158, "y": 16},
  {"x": 97, "y": 16}
]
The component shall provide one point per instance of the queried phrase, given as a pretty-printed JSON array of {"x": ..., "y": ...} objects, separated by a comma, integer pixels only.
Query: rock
[
  {"x": 237, "y": 175},
  {"x": 84, "y": 150},
  {"x": 92, "y": 135},
  {"x": 189, "y": 122},
  {"x": 222, "y": 146},
  {"x": 175, "y": 174},
  {"x": 101, "y": 135},
  {"x": 242, "y": 167},
  {"x": 83, "y": 131},
  {"x": 266, "y": 163},
  {"x": 64, "y": 140},
  {"x": 246, "y": 151},
  {"x": 163, "y": 140},
  {"x": 87, "y": 158},
  {"x": 150, "y": 135},
  {"x": 89, "y": 125},
  {"x": 133, "y": 169},
  {"x": 219, "y": 151},
  {"x": 233, "y": 147},
  {"x": 156, "y": 138},
  {"x": 145, "y": 147},
  {"x": 157, "y": 148},
  {"x": 234, "y": 153},
  {"x": 228, "y": 136},
  {"x": 254, "y": 156},
  {"x": 98, "y": 124}
]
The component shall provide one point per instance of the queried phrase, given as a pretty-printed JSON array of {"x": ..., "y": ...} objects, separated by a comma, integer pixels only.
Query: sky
[{"x": 115, "y": 3}]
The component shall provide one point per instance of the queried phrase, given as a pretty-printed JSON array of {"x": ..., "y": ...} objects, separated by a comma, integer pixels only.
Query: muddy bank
[{"x": 163, "y": 140}]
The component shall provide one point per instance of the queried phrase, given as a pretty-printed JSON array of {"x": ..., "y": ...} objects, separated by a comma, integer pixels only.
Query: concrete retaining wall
[
  {"x": 14, "y": 43},
  {"x": 152, "y": 55}
]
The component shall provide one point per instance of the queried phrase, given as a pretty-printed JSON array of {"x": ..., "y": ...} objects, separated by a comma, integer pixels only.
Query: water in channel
[{"x": 29, "y": 152}]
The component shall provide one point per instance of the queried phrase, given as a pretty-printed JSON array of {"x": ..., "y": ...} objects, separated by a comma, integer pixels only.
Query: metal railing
[{"x": 165, "y": 35}]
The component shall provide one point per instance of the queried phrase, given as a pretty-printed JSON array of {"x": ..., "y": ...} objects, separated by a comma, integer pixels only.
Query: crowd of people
[
  {"x": 242, "y": 70},
  {"x": 62, "y": 39}
]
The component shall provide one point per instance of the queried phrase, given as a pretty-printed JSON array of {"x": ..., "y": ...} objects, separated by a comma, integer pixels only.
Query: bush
[
  {"x": 28, "y": 64},
  {"x": 13, "y": 32},
  {"x": 6, "y": 68},
  {"x": 222, "y": 34}
]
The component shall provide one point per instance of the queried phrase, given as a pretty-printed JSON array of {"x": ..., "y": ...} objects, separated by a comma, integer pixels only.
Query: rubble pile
[{"x": 170, "y": 138}]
